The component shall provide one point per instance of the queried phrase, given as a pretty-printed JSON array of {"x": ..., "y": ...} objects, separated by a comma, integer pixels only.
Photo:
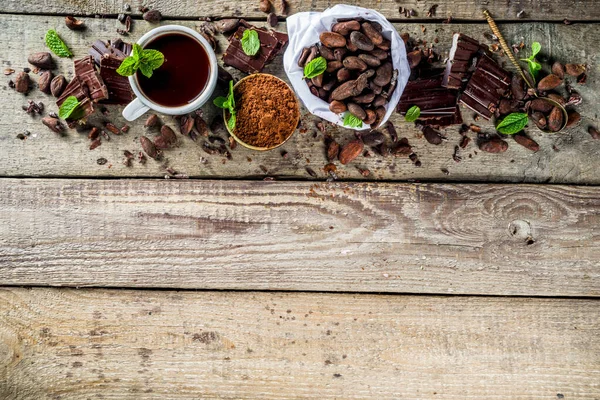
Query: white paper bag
[{"x": 304, "y": 30}]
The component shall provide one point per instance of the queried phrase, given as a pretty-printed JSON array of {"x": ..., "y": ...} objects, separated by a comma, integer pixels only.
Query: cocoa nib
[
  {"x": 33, "y": 107},
  {"x": 73, "y": 23},
  {"x": 53, "y": 124},
  {"x": 112, "y": 128},
  {"x": 42, "y": 60}
]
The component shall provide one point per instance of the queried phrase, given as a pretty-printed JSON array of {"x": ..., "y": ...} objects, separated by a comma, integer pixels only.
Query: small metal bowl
[
  {"x": 249, "y": 146},
  {"x": 564, "y": 112}
]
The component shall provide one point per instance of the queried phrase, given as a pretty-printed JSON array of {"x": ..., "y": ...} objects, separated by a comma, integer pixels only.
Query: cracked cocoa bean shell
[
  {"x": 350, "y": 151},
  {"x": 332, "y": 39},
  {"x": 44, "y": 81},
  {"x": 42, "y": 60},
  {"x": 57, "y": 85}
]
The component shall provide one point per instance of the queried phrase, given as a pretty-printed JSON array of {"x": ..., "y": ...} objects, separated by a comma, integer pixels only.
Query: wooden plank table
[{"x": 470, "y": 280}]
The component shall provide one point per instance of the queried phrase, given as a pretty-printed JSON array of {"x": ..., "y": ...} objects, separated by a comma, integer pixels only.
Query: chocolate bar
[
  {"x": 462, "y": 59},
  {"x": 119, "y": 90},
  {"x": 271, "y": 44},
  {"x": 486, "y": 87},
  {"x": 439, "y": 105},
  {"x": 87, "y": 86},
  {"x": 117, "y": 48}
]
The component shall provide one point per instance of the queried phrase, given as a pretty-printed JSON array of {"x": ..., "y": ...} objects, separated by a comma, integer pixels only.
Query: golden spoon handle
[{"x": 505, "y": 47}]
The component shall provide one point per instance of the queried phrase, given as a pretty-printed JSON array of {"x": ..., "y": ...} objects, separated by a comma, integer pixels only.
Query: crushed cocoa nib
[
  {"x": 141, "y": 158},
  {"x": 94, "y": 133},
  {"x": 22, "y": 82},
  {"x": 112, "y": 128},
  {"x": 364, "y": 172},
  {"x": 53, "y": 124},
  {"x": 33, "y": 107},
  {"x": 128, "y": 24},
  {"x": 101, "y": 161},
  {"x": 455, "y": 155},
  {"x": 209, "y": 149},
  {"x": 125, "y": 128},
  {"x": 311, "y": 172},
  {"x": 95, "y": 144},
  {"x": 464, "y": 142}
]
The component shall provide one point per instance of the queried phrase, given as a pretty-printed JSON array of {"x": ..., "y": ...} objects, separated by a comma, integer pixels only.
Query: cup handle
[{"x": 134, "y": 110}]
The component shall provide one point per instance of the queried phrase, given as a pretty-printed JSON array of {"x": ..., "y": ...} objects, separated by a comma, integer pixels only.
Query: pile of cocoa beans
[{"x": 360, "y": 77}]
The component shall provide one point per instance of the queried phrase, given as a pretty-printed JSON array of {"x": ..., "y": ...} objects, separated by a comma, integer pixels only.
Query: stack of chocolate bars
[
  {"x": 271, "y": 44},
  {"x": 471, "y": 77}
]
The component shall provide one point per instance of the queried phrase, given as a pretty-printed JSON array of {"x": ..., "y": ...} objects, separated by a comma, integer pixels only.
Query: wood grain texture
[
  {"x": 46, "y": 154},
  {"x": 108, "y": 344},
  {"x": 472, "y": 239},
  {"x": 540, "y": 10}
]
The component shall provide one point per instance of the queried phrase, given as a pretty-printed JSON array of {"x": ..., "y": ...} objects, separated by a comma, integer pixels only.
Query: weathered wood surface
[
  {"x": 540, "y": 10},
  {"x": 82, "y": 344},
  {"x": 438, "y": 238},
  {"x": 45, "y": 154}
]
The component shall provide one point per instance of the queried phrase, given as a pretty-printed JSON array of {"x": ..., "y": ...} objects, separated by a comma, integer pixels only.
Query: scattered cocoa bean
[
  {"x": 186, "y": 124},
  {"x": 272, "y": 20},
  {"x": 337, "y": 107},
  {"x": 333, "y": 149},
  {"x": 94, "y": 133},
  {"x": 227, "y": 25},
  {"x": 350, "y": 151},
  {"x": 361, "y": 41},
  {"x": 95, "y": 143},
  {"x": 44, "y": 81},
  {"x": 574, "y": 118},
  {"x": 541, "y": 105},
  {"x": 53, "y": 124},
  {"x": 414, "y": 58},
  {"x": 264, "y": 6},
  {"x": 57, "y": 85},
  {"x": 549, "y": 82},
  {"x": 539, "y": 119},
  {"x": 22, "y": 82},
  {"x": 575, "y": 69},
  {"x": 344, "y": 28},
  {"x": 433, "y": 136},
  {"x": 372, "y": 33},
  {"x": 372, "y": 138},
  {"x": 332, "y": 39},
  {"x": 149, "y": 148},
  {"x": 555, "y": 119},
  {"x": 152, "y": 121},
  {"x": 152, "y": 16},
  {"x": 282, "y": 7},
  {"x": 166, "y": 139},
  {"x": 558, "y": 69},
  {"x": 493, "y": 145},
  {"x": 201, "y": 126},
  {"x": 42, "y": 60},
  {"x": 594, "y": 132},
  {"x": 73, "y": 23},
  {"x": 526, "y": 142},
  {"x": 112, "y": 128},
  {"x": 357, "y": 111}
]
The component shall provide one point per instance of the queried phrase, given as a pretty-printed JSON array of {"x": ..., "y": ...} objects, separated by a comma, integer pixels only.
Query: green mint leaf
[
  {"x": 512, "y": 123},
  {"x": 55, "y": 43},
  {"x": 412, "y": 114},
  {"x": 250, "y": 42},
  {"x": 68, "y": 107},
  {"x": 315, "y": 68},
  {"x": 535, "y": 48},
  {"x": 221, "y": 102},
  {"x": 152, "y": 58},
  {"x": 231, "y": 122},
  {"x": 145, "y": 69},
  {"x": 231, "y": 98},
  {"x": 128, "y": 66},
  {"x": 137, "y": 51},
  {"x": 352, "y": 121}
]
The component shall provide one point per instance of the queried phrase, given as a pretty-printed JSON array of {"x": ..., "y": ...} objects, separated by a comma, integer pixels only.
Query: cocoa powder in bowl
[{"x": 267, "y": 111}]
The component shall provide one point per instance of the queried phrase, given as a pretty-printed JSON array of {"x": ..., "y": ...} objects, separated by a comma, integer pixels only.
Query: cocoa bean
[
  {"x": 339, "y": 53},
  {"x": 362, "y": 81},
  {"x": 327, "y": 53},
  {"x": 186, "y": 124},
  {"x": 549, "y": 82},
  {"x": 539, "y": 119},
  {"x": 385, "y": 45},
  {"x": 575, "y": 69},
  {"x": 343, "y": 75},
  {"x": 42, "y": 60},
  {"x": 414, "y": 58},
  {"x": 541, "y": 105},
  {"x": 227, "y": 25},
  {"x": 152, "y": 121},
  {"x": 314, "y": 90},
  {"x": 493, "y": 145},
  {"x": 95, "y": 143},
  {"x": 44, "y": 81},
  {"x": 337, "y": 107},
  {"x": 431, "y": 135},
  {"x": 372, "y": 138},
  {"x": 371, "y": 117},
  {"x": 379, "y": 101},
  {"x": 377, "y": 26},
  {"x": 375, "y": 88},
  {"x": 555, "y": 119},
  {"x": 504, "y": 107},
  {"x": 373, "y": 34},
  {"x": 558, "y": 69},
  {"x": 380, "y": 113},
  {"x": 364, "y": 98},
  {"x": 314, "y": 53},
  {"x": 383, "y": 75},
  {"x": 332, "y": 39},
  {"x": 201, "y": 126},
  {"x": 73, "y": 23},
  {"x": 517, "y": 87},
  {"x": 357, "y": 111},
  {"x": 317, "y": 80},
  {"x": 282, "y": 7},
  {"x": 22, "y": 82},
  {"x": 329, "y": 84},
  {"x": 168, "y": 135},
  {"x": 264, "y": 6},
  {"x": 526, "y": 142},
  {"x": 344, "y": 28},
  {"x": 112, "y": 128},
  {"x": 351, "y": 47},
  {"x": 350, "y": 151},
  {"x": 94, "y": 133},
  {"x": 57, "y": 85},
  {"x": 380, "y": 54},
  {"x": 53, "y": 124},
  {"x": 393, "y": 82},
  {"x": 272, "y": 20},
  {"x": 574, "y": 118},
  {"x": 152, "y": 16},
  {"x": 303, "y": 57},
  {"x": 333, "y": 66},
  {"x": 354, "y": 63},
  {"x": 557, "y": 98},
  {"x": 370, "y": 60},
  {"x": 594, "y": 132},
  {"x": 361, "y": 41},
  {"x": 149, "y": 148}
]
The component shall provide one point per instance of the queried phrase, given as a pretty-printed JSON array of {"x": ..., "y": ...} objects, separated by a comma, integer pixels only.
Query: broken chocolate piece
[
  {"x": 271, "y": 44},
  {"x": 460, "y": 61},
  {"x": 117, "y": 48},
  {"x": 119, "y": 90},
  {"x": 87, "y": 86}
]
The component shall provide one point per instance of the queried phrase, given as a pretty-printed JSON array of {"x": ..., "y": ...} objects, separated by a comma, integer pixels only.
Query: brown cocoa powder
[{"x": 267, "y": 111}]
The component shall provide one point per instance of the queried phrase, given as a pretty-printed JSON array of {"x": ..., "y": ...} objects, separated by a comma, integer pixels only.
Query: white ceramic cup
[{"x": 141, "y": 104}]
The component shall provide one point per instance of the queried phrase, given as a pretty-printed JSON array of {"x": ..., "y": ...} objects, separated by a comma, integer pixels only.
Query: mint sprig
[
  {"x": 534, "y": 66},
  {"x": 412, "y": 114},
  {"x": 70, "y": 109},
  {"x": 146, "y": 60},
  {"x": 315, "y": 68},
  {"x": 512, "y": 123},
  {"x": 352, "y": 121},
  {"x": 228, "y": 103},
  {"x": 250, "y": 42},
  {"x": 56, "y": 44}
]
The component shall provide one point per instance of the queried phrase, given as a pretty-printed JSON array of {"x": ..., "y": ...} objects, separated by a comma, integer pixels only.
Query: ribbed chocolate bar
[
  {"x": 85, "y": 85},
  {"x": 271, "y": 43},
  {"x": 487, "y": 85},
  {"x": 119, "y": 90},
  {"x": 117, "y": 48},
  {"x": 461, "y": 60}
]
